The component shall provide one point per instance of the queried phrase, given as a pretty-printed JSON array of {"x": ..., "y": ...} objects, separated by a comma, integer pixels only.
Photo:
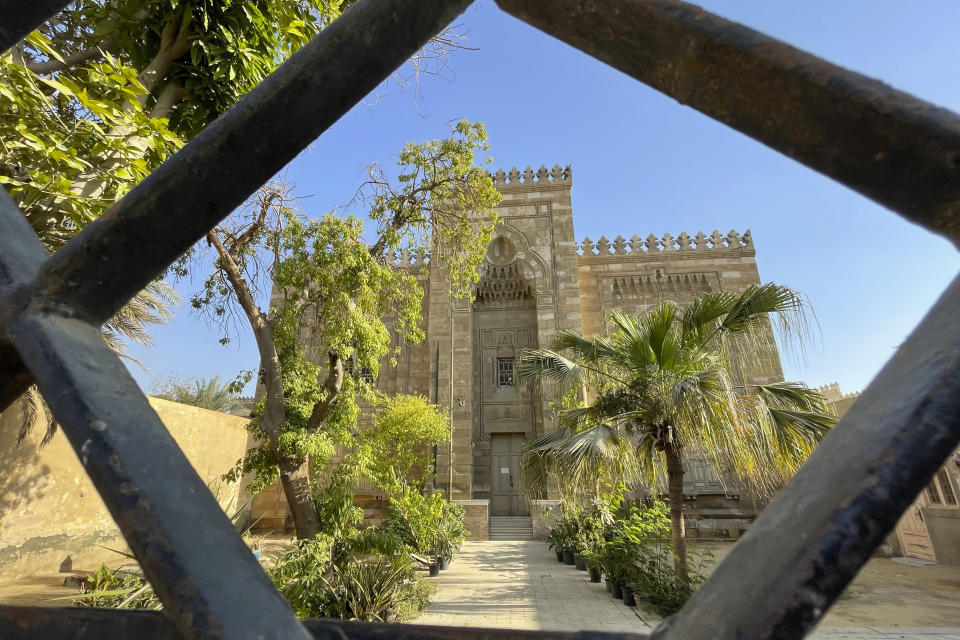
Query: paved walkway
[{"x": 520, "y": 585}]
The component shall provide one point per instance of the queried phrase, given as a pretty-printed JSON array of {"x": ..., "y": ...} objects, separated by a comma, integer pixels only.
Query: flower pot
[
  {"x": 609, "y": 584},
  {"x": 568, "y": 556},
  {"x": 594, "y": 574},
  {"x": 580, "y": 563},
  {"x": 616, "y": 591},
  {"x": 434, "y": 569},
  {"x": 628, "y": 598},
  {"x": 559, "y": 555},
  {"x": 444, "y": 563}
]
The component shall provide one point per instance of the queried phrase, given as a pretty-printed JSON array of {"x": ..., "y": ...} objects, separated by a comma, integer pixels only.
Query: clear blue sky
[{"x": 642, "y": 163}]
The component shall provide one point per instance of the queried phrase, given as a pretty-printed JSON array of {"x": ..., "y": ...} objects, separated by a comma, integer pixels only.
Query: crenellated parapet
[
  {"x": 529, "y": 177},
  {"x": 652, "y": 244},
  {"x": 406, "y": 259},
  {"x": 833, "y": 393}
]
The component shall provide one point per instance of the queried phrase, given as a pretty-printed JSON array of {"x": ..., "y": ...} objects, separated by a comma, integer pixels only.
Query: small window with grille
[
  {"x": 366, "y": 375},
  {"x": 504, "y": 372}
]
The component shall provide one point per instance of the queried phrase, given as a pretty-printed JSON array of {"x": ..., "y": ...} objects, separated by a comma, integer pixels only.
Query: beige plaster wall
[{"x": 50, "y": 514}]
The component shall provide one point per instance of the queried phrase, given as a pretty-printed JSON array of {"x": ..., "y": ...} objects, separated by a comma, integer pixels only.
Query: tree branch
[{"x": 53, "y": 65}]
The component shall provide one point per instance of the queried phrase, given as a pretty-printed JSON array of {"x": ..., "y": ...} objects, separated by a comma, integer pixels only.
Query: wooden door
[
  {"x": 507, "y": 499},
  {"x": 912, "y": 531}
]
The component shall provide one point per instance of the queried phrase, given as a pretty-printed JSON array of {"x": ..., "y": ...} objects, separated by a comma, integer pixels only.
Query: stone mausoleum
[{"x": 537, "y": 279}]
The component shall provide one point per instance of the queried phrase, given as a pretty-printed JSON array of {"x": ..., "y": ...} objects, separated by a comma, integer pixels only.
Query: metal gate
[{"x": 899, "y": 151}]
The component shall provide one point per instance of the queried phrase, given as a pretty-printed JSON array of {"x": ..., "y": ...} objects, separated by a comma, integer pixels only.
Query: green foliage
[
  {"x": 117, "y": 589},
  {"x": 416, "y": 519},
  {"x": 97, "y": 98},
  {"x": 397, "y": 445},
  {"x": 414, "y": 599},
  {"x": 83, "y": 127},
  {"x": 341, "y": 302},
  {"x": 665, "y": 378},
  {"x": 200, "y": 392}
]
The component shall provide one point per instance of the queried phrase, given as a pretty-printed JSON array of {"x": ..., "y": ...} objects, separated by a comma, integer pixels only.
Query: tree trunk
[
  {"x": 295, "y": 480},
  {"x": 675, "y": 489},
  {"x": 294, "y": 476}
]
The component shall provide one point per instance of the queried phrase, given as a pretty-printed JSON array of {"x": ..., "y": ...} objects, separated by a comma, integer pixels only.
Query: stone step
[{"x": 511, "y": 528}]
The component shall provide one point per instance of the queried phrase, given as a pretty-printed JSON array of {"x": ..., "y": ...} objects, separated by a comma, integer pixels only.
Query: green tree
[
  {"x": 200, "y": 392},
  {"x": 397, "y": 444},
  {"x": 340, "y": 306},
  {"x": 101, "y": 94},
  {"x": 662, "y": 385}
]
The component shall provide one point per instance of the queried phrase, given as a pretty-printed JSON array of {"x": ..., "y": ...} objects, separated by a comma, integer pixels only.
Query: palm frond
[
  {"x": 34, "y": 413},
  {"x": 577, "y": 460},
  {"x": 151, "y": 306},
  {"x": 794, "y": 395},
  {"x": 550, "y": 367}
]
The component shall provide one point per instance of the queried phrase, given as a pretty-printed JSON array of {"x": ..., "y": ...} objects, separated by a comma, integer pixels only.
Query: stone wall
[
  {"x": 476, "y": 518},
  {"x": 51, "y": 516}
]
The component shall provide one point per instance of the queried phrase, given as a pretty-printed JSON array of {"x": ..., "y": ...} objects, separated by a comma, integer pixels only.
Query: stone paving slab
[{"x": 520, "y": 585}]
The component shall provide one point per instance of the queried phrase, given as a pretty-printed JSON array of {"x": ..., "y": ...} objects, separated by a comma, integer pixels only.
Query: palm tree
[
  {"x": 203, "y": 393},
  {"x": 662, "y": 388}
]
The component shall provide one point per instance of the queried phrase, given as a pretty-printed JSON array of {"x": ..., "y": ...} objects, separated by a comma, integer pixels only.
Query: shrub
[
  {"x": 414, "y": 599},
  {"x": 118, "y": 589}
]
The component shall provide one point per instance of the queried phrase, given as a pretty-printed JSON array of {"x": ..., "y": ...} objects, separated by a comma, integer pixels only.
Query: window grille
[
  {"x": 504, "y": 372},
  {"x": 812, "y": 539},
  {"x": 946, "y": 489}
]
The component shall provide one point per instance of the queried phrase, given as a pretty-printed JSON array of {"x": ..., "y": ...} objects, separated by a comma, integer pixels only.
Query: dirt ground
[
  {"x": 890, "y": 593},
  {"x": 886, "y": 593}
]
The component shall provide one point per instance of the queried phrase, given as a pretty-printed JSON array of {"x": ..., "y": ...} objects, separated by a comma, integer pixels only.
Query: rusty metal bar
[
  {"x": 20, "y": 17},
  {"x": 902, "y": 152},
  {"x": 45, "y": 623},
  {"x": 825, "y": 524},
  {"x": 220, "y": 167}
]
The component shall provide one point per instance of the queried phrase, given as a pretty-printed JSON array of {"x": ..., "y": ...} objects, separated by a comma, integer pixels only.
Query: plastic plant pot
[
  {"x": 616, "y": 592},
  {"x": 568, "y": 556},
  {"x": 628, "y": 598},
  {"x": 594, "y": 574}
]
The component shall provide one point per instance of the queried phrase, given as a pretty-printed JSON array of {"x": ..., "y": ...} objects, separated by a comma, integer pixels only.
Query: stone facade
[{"x": 537, "y": 279}]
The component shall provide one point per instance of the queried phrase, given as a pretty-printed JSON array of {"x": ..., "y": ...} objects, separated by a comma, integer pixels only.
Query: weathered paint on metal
[{"x": 886, "y": 144}]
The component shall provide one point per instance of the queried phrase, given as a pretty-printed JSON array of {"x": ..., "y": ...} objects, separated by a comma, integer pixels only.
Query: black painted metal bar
[
  {"x": 20, "y": 17},
  {"x": 803, "y": 550},
  {"x": 898, "y": 150},
  {"x": 45, "y": 623},
  {"x": 21, "y": 255},
  {"x": 210, "y": 583}
]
